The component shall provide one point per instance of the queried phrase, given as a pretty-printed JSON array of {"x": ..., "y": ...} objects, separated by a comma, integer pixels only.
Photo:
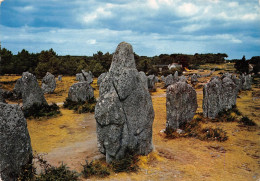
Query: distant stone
[
  {"x": 48, "y": 83},
  {"x": 156, "y": 79},
  {"x": 237, "y": 81},
  {"x": 101, "y": 78},
  {"x": 88, "y": 76},
  {"x": 246, "y": 82},
  {"x": 60, "y": 78},
  {"x": 194, "y": 79},
  {"x": 162, "y": 78},
  {"x": 80, "y": 77},
  {"x": 151, "y": 82},
  {"x": 212, "y": 101},
  {"x": 168, "y": 80},
  {"x": 30, "y": 90},
  {"x": 144, "y": 79},
  {"x": 15, "y": 142},
  {"x": 124, "y": 112},
  {"x": 81, "y": 92},
  {"x": 181, "y": 104},
  {"x": 182, "y": 79}
]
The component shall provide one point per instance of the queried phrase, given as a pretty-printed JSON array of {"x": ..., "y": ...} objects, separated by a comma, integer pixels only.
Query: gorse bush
[
  {"x": 80, "y": 107},
  {"x": 127, "y": 164},
  {"x": 95, "y": 168},
  {"x": 37, "y": 111}
]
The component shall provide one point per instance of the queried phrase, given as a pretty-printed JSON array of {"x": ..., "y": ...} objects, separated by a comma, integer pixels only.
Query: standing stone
[
  {"x": 181, "y": 104},
  {"x": 48, "y": 83},
  {"x": 151, "y": 82},
  {"x": 229, "y": 93},
  {"x": 30, "y": 90},
  {"x": 80, "y": 92},
  {"x": 212, "y": 102},
  {"x": 144, "y": 79},
  {"x": 168, "y": 80},
  {"x": 182, "y": 79},
  {"x": 15, "y": 142},
  {"x": 194, "y": 79},
  {"x": 17, "y": 91},
  {"x": 101, "y": 78},
  {"x": 246, "y": 82},
  {"x": 124, "y": 112},
  {"x": 237, "y": 81},
  {"x": 175, "y": 75},
  {"x": 156, "y": 79},
  {"x": 80, "y": 77},
  {"x": 88, "y": 76},
  {"x": 60, "y": 78}
]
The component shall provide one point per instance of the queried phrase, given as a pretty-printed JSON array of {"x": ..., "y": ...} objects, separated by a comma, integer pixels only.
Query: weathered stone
[
  {"x": 80, "y": 92},
  {"x": 144, "y": 79},
  {"x": 15, "y": 142},
  {"x": 17, "y": 91},
  {"x": 168, "y": 80},
  {"x": 175, "y": 75},
  {"x": 48, "y": 83},
  {"x": 229, "y": 93},
  {"x": 151, "y": 82},
  {"x": 181, "y": 104},
  {"x": 194, "y": 79},
  {"x": 60, "y": 78},
  {"x": 162, "y": 78},
  {"x": 124, "y": 111},
  {"x": 80, "y": 77},
  {"x": 101, "y": 78},
  {"x": 30, "y": 90},
  {"x": 212, "y": 102},
  {"x": 237, "y": 81},
  {"x": 88, "y": 76},
  {"x": 246, "y": 82},
  {"x": 156, "y": 79}
]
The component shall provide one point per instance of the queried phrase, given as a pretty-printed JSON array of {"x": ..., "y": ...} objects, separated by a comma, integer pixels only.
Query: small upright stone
[
  {"x": 175, "y": 75},
  {"x": 15, "y": 142},
  {"x": 80, "y": 92},
  {"x": 194, "y": 79},
  {"x": 17, "y": 91},
  {"x": 162, "y": 78},
  {"x": 182, "y": 79},
  {"x": 168, "y": 80},
  {"x": 60, "y": 78},
  {"x": 246, "y": 82},
  {"x": 48, "y": 83},
  {"x": 151, "y": 82},
  {"x": 181, "y": 104},
  {"x": 237, "y": 81},
  {"x": 212, "y": 102},
  {"x": 101, "y": 78},
  {"x": 229, "y": 93}
]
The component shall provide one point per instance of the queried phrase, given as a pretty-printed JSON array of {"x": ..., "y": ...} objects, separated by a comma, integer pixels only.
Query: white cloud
[
  {"x": 25, "y": 9},
  {"x": 99, "y": 13},
  {"x": 92, "y": 42},
  {"x": 188, "y": 9},
  {"x": 153, "y": 4}
]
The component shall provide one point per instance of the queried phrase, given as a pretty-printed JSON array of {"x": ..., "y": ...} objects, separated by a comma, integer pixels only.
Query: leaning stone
[
  {"x": 80, "y": 77},
  {"x": 15, "y": 142},
  {"x": 81, "y": 92},
  {"x": 124, "y": 112},
  {"x": 181, "y": 104},
  {"x": 48, "y": 83},
  {"x": 101, "y": 78},
  {"x": 212, "y": 102}
]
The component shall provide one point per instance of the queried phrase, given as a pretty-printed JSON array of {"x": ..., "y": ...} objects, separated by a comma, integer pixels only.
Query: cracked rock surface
[
  {"x": 124, "y": 112},
  {"x": 181, "y": 104},
  {"x": 15, "y": 142},
  {"x": 81, "y": 92}
]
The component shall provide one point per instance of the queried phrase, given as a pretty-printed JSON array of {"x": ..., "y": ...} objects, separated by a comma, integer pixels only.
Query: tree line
[{"x": 50, "y": 61}]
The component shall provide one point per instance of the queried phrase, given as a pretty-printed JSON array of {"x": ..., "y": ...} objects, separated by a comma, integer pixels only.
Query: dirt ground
[{"x": 71, "y": 138}]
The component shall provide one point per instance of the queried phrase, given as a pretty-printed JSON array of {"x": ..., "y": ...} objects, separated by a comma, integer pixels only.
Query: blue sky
[{"x": 153, "y": 27}]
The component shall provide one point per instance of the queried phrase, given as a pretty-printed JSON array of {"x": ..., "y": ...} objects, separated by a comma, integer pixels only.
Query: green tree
[{"x": 6, "y": 61}]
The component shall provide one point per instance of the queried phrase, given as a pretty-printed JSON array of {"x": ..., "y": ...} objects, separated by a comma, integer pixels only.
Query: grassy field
[{"x": 70, "y": 138}]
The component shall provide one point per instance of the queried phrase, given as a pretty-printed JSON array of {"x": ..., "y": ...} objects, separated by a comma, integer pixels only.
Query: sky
[{"x": 153, "y": 27}]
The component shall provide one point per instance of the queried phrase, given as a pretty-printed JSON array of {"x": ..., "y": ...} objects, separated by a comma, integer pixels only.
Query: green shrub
[
  {"x": 27, "y": 172},
  {"x": 37, "y": 111},
  {"x": 95, "y": 168},
  {"x": 81, "y": 107},
  {"x": 247, "y": 122},
  {"x": 126, "y": 164}
]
